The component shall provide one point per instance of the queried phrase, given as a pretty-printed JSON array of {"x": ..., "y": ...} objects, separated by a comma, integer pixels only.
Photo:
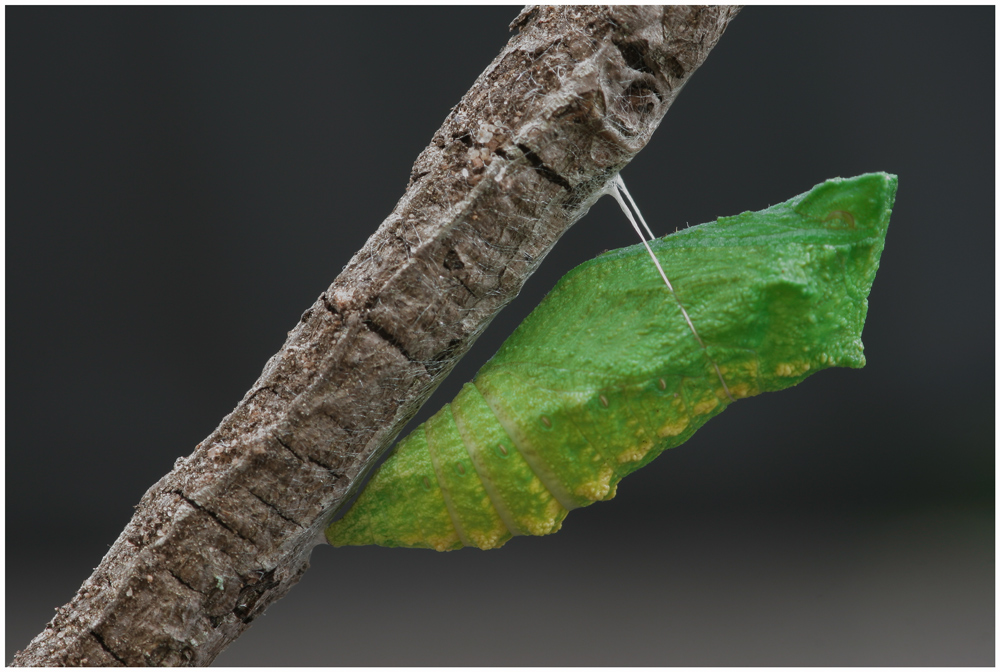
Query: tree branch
[{"x": 567, "y": 103}]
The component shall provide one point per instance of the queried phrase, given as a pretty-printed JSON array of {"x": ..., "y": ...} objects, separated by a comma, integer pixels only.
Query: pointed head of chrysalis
[{"x": 799, "y": 273}]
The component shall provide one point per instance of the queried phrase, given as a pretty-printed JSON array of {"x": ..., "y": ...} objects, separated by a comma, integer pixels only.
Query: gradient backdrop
[{"x": 182, "y": 183}]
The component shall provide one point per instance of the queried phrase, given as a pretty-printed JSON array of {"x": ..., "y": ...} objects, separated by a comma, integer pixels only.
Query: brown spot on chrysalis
[{"x": 843, "y": 216}]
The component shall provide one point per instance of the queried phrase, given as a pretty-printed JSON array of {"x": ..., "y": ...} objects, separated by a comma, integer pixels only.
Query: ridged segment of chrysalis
[{"x": 606, "y": 373}]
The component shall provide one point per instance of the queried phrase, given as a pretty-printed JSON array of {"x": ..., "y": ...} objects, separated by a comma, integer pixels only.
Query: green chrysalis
[{"x": 606, "y": 373}]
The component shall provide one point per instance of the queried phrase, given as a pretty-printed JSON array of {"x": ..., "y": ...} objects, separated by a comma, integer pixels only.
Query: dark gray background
[{"x": 182, "y": 183}]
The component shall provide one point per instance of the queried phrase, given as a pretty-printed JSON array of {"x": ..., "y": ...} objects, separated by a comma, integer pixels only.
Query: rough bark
[{"x": 567, "y": 103}]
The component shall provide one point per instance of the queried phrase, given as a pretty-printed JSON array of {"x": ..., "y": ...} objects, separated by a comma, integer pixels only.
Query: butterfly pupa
[{"x": 606, "y": 374}]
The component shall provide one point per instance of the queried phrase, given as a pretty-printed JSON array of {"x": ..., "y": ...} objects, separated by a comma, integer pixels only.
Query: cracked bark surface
[{"x": 570, "y": 100}]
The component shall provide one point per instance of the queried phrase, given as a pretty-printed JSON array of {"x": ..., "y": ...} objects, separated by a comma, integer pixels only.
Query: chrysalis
[{"x": 606, "y": 374}]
